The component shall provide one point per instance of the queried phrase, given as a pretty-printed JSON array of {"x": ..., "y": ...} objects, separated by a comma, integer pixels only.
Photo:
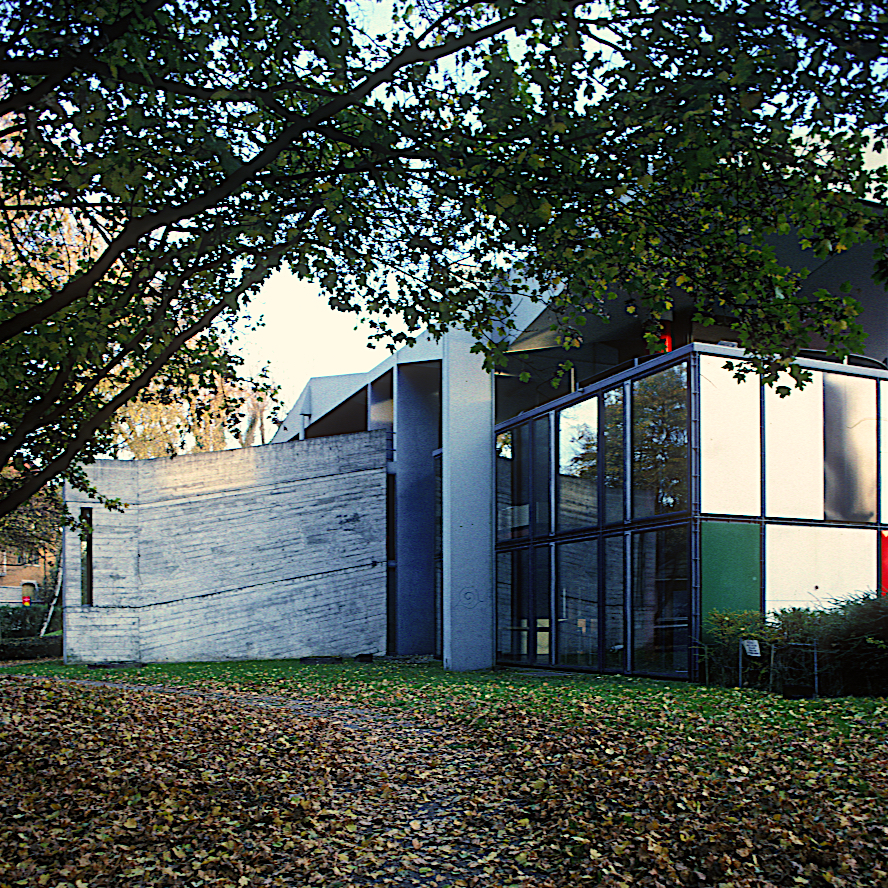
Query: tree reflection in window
[
  {"x": 660, "y": 443},
  {"x": 578, "y": 466}
]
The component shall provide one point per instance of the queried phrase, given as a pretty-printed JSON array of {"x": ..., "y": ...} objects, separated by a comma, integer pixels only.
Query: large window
[
  {"x": 614, "y": 604},
  {"x": 576, "y": 601},
  {"x": 523, "y": 606},
  {"x": 577, "y": 488},
  {"x": 522, "y": 480},
  {"x": 614, "y": 474},
  {"x": 661, "y": 593},
  {"x": 660, "y": 470},
  {"x": 512, "y": 483}
]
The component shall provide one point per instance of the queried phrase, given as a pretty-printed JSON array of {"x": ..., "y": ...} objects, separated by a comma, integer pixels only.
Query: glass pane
[
  {"x": 814, "y": 566},
  {"x": 730, "y": 441},
  {"x": 614, "y": 623},
  {"x": 613, "y": 456},
  {"x": 576, "y": 600},
  {"x": 794, "y": 451},
  {"x": 660, "y": 443},
  {"x": 578, "y": 466},
  {"x": 541, "y": 472},
  {"x": 86, "y": 558},
  {"x": 513, "y": 483},
  {"x": 660, "y": 601},
  {"x": 541, "y": 604},
  {"x": 849, "y": 448},
  {"x": 512, "y": 598}
]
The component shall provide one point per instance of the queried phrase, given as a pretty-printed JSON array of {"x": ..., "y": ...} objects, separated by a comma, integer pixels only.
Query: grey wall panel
[{"x": 274, "y": 551}]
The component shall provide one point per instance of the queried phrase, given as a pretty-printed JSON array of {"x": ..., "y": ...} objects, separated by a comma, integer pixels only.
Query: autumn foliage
[{"x": 280, "y": 775}]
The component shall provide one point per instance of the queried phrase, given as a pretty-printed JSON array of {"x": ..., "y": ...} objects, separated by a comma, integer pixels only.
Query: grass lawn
[{"x": 408, "y": 775}]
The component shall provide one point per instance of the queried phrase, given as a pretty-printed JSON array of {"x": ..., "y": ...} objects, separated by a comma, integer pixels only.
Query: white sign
[{"x": 751, "y": 646}]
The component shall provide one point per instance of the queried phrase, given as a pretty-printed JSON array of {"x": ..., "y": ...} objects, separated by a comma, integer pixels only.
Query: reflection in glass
[
  {"x": 849, "y": 448},
  {"x": 576, "y": 600},
  {"x": 512, "y": 604},
  {"x": 660, "y": 443},
  {"x": 578, "y": 466},
  {"x": 541, "y": 472},
  {"x": 660, "y": 601},
  {"x": 513, "y": 483},
  {"x": 522, "y": 605},
  {"x": 542, "y": 622},
  {"x": 612, "y": 454},
  {"x": 614, "y": 608}
]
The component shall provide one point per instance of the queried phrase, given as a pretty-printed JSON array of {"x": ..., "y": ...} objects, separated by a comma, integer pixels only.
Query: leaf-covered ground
[{"x": 285, "y": 775}]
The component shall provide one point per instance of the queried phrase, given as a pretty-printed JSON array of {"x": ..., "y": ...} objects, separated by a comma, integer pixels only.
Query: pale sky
[{"x": 304, "y": 337}]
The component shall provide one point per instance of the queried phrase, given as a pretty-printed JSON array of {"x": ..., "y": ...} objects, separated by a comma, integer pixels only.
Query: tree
[
  {"x": 34, "y": 527},
  {"x": 156, "y": 423},
  {"x": 199, "y": 144}
]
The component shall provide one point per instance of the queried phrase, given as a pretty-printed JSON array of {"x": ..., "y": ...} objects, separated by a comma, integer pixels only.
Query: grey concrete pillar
[{"x": 468, "y": 503}]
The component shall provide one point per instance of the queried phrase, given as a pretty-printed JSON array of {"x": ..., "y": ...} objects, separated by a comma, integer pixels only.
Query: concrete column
[{"x": 468, "y": 503}]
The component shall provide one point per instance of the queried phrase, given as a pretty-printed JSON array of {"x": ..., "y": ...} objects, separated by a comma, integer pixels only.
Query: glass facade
[
  {"x": 577, "y": 482},
  {"x": 629, "y": 511},
  {"x": 660, "y": 470},
  {"x": 563, "y": 597},
  {"x": 661, "y": 599}
]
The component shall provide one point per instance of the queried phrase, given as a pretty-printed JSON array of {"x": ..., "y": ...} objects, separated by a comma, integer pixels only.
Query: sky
[{"x": 303, "y": 337}]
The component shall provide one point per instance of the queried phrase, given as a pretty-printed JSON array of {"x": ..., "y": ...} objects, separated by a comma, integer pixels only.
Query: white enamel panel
[
  {"x": 794, "y": 452},
  {"x": 815, "y": 566},
  {"x": 730, "y": 441}
]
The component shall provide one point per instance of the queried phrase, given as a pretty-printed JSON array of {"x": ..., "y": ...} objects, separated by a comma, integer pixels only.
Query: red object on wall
[
  {"x": 26, "y": 600},
  {"x": 883, "y": 563},
  {"x": 666, "y": 335}
]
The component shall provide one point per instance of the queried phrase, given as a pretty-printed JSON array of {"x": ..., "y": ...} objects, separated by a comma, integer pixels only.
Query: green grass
[{"x": 468, "y": 695}]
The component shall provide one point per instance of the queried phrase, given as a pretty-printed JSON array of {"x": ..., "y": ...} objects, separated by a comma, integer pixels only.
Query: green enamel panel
[{"x": 730, "y": 567}]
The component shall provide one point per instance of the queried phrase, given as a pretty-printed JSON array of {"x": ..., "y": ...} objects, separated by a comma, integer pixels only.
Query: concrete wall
[{"x": 269, "y": 552}]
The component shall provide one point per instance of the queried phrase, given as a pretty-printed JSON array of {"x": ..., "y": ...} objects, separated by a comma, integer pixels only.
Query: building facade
[{"x": 591, "y": 523}]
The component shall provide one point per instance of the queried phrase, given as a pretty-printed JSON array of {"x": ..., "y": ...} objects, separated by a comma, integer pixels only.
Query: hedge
[{"x": 848, "y": 641}]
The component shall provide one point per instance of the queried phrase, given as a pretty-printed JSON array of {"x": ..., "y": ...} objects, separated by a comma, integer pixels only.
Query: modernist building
[{"x": 594, "y": 525}]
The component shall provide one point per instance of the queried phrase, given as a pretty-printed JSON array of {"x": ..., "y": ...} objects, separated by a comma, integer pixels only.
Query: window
[
  {"x": 661, "y": 593},
  {"x": 660, "y": 443},
  {"x": 86, "y": 558},
  {"x": 577, "y": 488},
  {"x": 576, "y": 602}
]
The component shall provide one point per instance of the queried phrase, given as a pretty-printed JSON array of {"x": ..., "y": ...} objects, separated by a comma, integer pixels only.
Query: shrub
[
  {"x": 33, "y": 648},
  {"x": 22, "y": 622},
  {"x": 848, "y": 642}
]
